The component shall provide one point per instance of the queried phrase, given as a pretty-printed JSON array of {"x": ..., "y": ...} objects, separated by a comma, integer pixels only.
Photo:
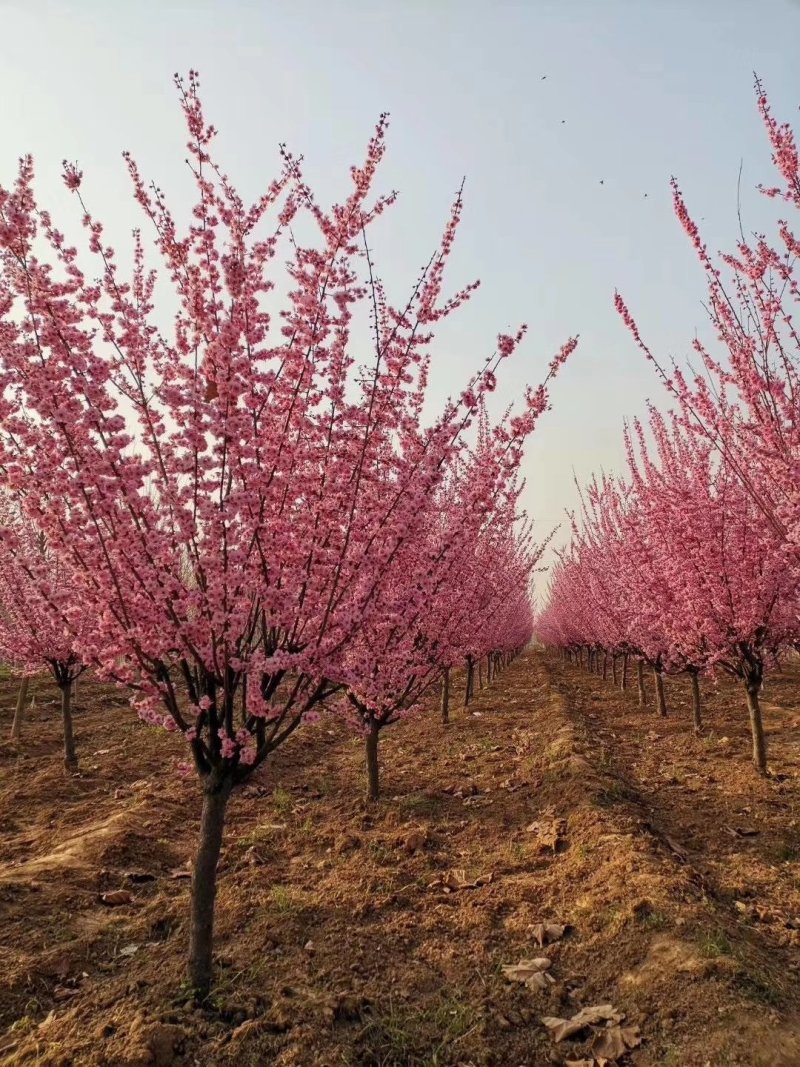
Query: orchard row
[{"x": 691, "y": 561}]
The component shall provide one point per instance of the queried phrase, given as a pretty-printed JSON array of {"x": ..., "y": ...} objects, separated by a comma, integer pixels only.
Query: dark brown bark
[
  {"x": 661, "y": 700},
  {"x": 605, "y": 665},
  {"x": 642, "y": 693},
  {"x": 480, "y": 674},
  {"x": 373, "y": 780},
  {"x": 756, "y": 728},
  {"x": 697, "y": 713},
  {"x": 614, "y": 670},
  {"x": 204, "y": 887},
  {"x": 70, "y": 756},
  {"x": 446, "y": 695},
  {"x": 468, "y": 688},
  {"x": 624, "y": 679},
  {"x": 19, "y": 710}
]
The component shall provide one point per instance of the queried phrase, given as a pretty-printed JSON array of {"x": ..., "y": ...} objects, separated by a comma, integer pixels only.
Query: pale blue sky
[{"x": 645, "y": 89}]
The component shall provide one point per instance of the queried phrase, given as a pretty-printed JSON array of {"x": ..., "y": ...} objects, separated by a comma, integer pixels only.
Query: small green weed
[
  {"x": 282, "y": 801},
  {"x": 784, "y": 852},
  {"x": 419, "y": 804},
  {"x": 282, "y": 898},
  {"x": 715, "y": 943},
  {"x": 652, "y": 919},
  {"x": 614, "y": 793},
  {"x": 398, "y": 1035}
]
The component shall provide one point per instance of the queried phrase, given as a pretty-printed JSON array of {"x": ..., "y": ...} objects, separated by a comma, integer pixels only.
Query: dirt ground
[{"x": 378, "y": 937}]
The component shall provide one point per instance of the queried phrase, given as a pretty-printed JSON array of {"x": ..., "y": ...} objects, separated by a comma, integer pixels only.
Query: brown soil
[{"x": 338, "y": 942}]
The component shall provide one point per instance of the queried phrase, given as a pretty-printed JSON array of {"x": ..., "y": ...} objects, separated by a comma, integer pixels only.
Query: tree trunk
[
  {"x": 757, "y": 729},
  {"x": 697, "y": 714},
  {"x": 373, "y": 782},
  {"x": 446, "y": 695},
  {"x": 624, "y": 679},
  {"x": 204, "y": 887},
  {"x": 70, "y": 757},
  {"x": 640, "y": 683},
  {"x": 605, "y": 665},
  {"x": 661, "y": 700},
  {"x": 614, "y": 669},
  {"x": 480, "y": 674},
  {"x": 489, "y": 669},
  {"x": 469, "y": 683},
  {"x": 19, "y": 711}
]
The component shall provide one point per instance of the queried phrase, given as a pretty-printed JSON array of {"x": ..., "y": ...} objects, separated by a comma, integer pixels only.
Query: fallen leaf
[
  {"x": 532, "y": 973},
  {"x": 415, "y": 841},
  {"x": 181, "y": 873},
  {"x": 597, "y": 1013},
  {"x": 457, "y": 879},
  {"x": 454, "y": 880},
  {"x": 64, "y": 993},
  {"x": 129, "y": 950},
  {"x": 673, "y": 846},
  {"x": 547, "y": 933},
  {"x": 742, "y": 831},
  {"x": 548, "y": 830},
  {"x": 468, "y": 790},
  {"x": 578, "y": 1063},
  {"x": 614, "y": 1042},
  {"x": 116, "y": 898}
]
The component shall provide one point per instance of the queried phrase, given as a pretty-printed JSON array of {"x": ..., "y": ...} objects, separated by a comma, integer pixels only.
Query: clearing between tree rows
[{"x": 378, "y": 935}]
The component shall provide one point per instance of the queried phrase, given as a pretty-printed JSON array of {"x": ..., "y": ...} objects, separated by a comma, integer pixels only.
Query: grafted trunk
[
  {"x": 624, "y": 679},
  {"x": 614, "y": 669},
  {"x": 756, "y": 728},
  {"x": 70, "y": 756},
  {"x": 470, "y": 681},
  {"x": 204, "y": 887},
  {"x": 661, "y": 700},
  {"x": 480, "y": 674},
  {"x": 605, "y": 665},
  {"x": 373, "y": 781},
  {"x": 642, "y": 693},
  {"x": 19, "y": 710},
  {"x": 697, "y": 713},
  {"x": 489, "y": 669},
  {"x": 446, "y": 695}
]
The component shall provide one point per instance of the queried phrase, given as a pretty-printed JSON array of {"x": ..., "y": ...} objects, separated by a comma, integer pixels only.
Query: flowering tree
[
  {"x": 744, "y": 401},
  {"x": 682, "y": 554},
  {"x": 230, "y": 501},
  {"x": 34, "y": 632},
  {"x": 458, "y": 590}
]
